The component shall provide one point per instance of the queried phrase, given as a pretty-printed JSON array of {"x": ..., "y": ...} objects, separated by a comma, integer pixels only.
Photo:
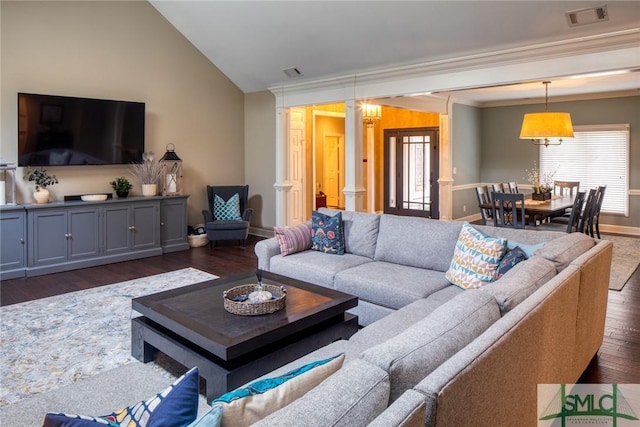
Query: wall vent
[
  {"x": 587, "y": 16},
  {"x": 292, "y": 72}
]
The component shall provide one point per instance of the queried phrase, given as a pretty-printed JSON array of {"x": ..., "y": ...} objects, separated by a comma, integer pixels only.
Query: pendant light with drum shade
[{"x": 540, "y": 127}]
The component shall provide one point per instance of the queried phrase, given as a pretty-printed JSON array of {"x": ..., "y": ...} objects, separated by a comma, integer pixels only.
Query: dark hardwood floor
[{"x": 618, "y": 360}]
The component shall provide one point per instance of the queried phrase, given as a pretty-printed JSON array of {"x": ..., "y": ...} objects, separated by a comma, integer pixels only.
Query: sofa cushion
[
  {"x": 475, "y": 259},
  {"x": 423, "y": 346},
  {"x": 520, "y": 282},
  {"x": 262, "y": 397},
  {"x": 227, "y": 210},
  {"x": 353, "y": 396},
  {"x": 409, "y": 410},
  {"x": 294, "y": 239},
  {"x": 328, "y": 233},
  {"x": 396, "y": 322},
  {"x": 360, "y": 231},
  {"x": 176, "y": 406},
  {"x": 417, "y": 242},
  {"x": 314, "y": 267},
  {"x": 565, "y": 249},
  {"x": 389, "y": 285}
]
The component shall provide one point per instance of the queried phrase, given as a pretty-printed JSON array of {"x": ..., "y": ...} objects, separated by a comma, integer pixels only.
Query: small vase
[
  {"x": 122, "y": 194},
  {"x": 41, "y": 196},
  {"x": 149, "y": 190}
]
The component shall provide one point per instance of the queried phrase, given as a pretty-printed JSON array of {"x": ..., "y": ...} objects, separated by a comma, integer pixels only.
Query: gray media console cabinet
[{"x": 54, "y": 237}]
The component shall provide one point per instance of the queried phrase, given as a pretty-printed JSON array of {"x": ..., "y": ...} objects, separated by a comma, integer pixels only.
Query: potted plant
[
  {"x": 148, "y": 172},
  {"x": 541, "y": 183},
  {"x": 121, "y": 186},
  {"x": 42, "y": 180}
]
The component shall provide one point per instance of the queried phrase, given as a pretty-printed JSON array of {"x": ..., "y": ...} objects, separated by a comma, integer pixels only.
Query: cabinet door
[
  {"x": 173, "y": 224},
  {"x": 48, "y": 237},
  {"x": 146, "y": 233},
  {"x": 83, "y": 233},
  {"x": 12, "y": 241},
  {"x": 117, "y": 232}
]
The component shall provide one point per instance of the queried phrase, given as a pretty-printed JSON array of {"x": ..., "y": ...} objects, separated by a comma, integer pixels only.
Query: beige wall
[
  {"x": 260, "y": 158},
  {"x": 123, "y": 50}
]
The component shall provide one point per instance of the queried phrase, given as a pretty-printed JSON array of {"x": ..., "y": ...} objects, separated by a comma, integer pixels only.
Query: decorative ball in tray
[{"x": 255, "y": 299}]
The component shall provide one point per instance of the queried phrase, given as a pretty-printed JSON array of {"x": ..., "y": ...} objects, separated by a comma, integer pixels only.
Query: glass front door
[{"x": 411, "y": 162}]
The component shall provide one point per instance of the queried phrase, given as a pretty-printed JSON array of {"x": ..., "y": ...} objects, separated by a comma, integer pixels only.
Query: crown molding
[{"x": 404, "y": 80}]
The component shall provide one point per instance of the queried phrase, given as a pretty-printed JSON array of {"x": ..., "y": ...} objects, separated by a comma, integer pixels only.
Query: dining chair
[
  {"x": 508, "y": 210},
  {"x": 583, "y": 223},
  {"x": 594, "y": 221},
  {"x": 569, "y": 224},
  {"x": 498, "y": 188},
  {"x": 513, "y": 187},
  {"x": 566, "y": 187},
  {"x": 484, "y": 198}
]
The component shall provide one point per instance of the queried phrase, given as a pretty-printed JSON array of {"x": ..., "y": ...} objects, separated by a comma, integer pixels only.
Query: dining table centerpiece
[{"x": 541, "y": 183}]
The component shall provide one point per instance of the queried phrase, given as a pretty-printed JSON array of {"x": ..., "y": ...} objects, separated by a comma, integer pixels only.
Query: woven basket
[
  {"x": 246, "y": 308},
  {"x": 197, "y": 240}
]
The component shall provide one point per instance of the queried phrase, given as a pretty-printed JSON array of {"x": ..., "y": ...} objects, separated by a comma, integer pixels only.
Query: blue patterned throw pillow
[
  {"x": 509, "y": 260},
  {"x": 176, "y": 406},
  {"x": 227, "y": 211},
  {"x": 328, "y": 233}
]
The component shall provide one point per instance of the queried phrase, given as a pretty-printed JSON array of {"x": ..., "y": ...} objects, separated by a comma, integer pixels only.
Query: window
[{"x": 597, "y": 155}]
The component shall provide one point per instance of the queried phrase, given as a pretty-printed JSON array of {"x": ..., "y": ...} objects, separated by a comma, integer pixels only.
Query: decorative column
[
  {"x": 354, "y": 190},
  {"x": 282, "y": 185},
  {"x": 446, "y": 168}
]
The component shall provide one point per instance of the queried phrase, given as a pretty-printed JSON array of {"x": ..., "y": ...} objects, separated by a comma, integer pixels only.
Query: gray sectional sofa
[{"x": 431, "y": 353}]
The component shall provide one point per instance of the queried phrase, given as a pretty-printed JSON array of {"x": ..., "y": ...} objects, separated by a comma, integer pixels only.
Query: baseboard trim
[
  {"x": 620, "y": 229},
  {"x": 261, "y": 232}
]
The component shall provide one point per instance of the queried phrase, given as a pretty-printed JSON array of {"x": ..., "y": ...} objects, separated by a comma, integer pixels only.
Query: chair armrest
[
  {"x": 208, "y": 217},
  {"x": 265, "y": 250},
  {"x": 246, "y": 215}
]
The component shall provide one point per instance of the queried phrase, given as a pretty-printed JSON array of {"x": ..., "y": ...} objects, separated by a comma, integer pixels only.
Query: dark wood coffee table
[{"x": 190, "y": 325}]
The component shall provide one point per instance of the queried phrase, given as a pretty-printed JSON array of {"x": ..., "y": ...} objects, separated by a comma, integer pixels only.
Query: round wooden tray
[{"x": 245, "y": 308}]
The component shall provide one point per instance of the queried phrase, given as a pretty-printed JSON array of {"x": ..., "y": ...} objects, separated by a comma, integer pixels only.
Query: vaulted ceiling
[{"x": 252, "y": 42}]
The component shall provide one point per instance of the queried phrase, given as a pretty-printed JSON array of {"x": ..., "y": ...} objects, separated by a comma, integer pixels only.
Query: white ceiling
[{"x": 251, "y": 42}]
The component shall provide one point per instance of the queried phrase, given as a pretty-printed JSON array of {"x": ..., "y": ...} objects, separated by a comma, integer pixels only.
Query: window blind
[{"x": 597, "y": 155}]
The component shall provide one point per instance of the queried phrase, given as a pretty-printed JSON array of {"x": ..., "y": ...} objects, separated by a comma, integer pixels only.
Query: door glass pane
[
  {"x": 392, "y": 172},
  {"x": 416, "y": 172}
]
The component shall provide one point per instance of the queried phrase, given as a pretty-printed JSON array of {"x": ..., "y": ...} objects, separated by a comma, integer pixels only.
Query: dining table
[{"x": 539, "y": 209}]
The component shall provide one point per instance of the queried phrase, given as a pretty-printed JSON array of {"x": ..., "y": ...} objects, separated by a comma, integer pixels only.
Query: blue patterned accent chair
[{"x": 220, "y": 220}]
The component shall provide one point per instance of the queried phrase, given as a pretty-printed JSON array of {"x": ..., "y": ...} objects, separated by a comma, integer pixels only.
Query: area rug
[
  {"x": 626, "y": 258},
  {"x": 52, "y": 342}
]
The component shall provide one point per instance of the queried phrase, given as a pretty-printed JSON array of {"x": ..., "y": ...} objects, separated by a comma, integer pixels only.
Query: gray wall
[{"x": 466, "y": 133}]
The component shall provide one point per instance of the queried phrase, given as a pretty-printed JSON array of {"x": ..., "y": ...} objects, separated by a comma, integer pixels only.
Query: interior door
[
  {"x": 332, "y": 169},
  {"x": 296, "y": 151},
  {"x": 411, "y": 172}
]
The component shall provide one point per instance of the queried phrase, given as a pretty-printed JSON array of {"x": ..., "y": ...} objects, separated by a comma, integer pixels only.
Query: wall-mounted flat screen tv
[{"x": 62, "y": 130}]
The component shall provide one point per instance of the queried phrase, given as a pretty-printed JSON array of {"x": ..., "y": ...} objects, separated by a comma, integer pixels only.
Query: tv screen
[{"x": 62, "y": 130}]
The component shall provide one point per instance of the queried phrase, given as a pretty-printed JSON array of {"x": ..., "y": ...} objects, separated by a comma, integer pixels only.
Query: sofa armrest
[
  {"x": 265, "y": 250},
  {"x": 407, "y": 411}
]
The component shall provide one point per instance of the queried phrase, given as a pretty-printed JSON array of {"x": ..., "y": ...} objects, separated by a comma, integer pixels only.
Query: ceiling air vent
[
  {"x": 292, "y": 72},
  {"x": 587, "y": 16}
]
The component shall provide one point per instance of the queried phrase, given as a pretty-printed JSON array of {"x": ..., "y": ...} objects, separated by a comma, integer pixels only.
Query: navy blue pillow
[
  {"x": 328, "y": 233},
  {"x": 176, "y": 406},
  {"x": 509, "y": 260}
]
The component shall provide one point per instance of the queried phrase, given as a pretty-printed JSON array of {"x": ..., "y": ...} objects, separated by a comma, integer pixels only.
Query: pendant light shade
[{"x": 539, "y": 127}]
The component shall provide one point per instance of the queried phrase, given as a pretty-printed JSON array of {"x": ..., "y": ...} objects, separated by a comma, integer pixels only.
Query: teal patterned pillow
[
  {"x": 328, "y": 233},
  {"x": 176, "y": 406},
  {"x": 227, "y": 211}
]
